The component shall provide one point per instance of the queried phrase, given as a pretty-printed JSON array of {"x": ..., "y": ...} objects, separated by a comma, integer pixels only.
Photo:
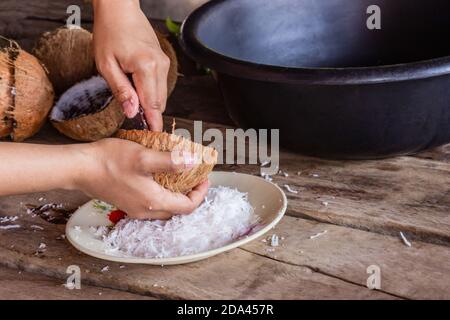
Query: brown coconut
[
  {"x": 6, "y": 98},
  {"x": 33, "y": 96},
  {"x": 68, "y": 55},
  {"x": 184, "y": 181},
  {"x": 26, "y": 93},
  {"x": 87, "y": 111}
]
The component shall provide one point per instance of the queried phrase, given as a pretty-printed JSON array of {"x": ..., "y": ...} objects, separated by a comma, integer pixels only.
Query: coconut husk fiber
[
  {"x": 181, "y": 182},
  {"x": 26, "y": 94}
]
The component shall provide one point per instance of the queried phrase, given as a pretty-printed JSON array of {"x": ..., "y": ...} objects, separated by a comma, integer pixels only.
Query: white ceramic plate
[{"x": 268, "y": 200}]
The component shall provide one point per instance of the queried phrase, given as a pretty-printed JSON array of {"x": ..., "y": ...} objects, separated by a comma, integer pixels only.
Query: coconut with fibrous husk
[
  {"x": 26, "y": 93},
  {"x": 183, "y": 182},
  {"x": 68, "y": 54},
  {"x": 87, "y": 111},
  {"x": 6, "y": 98}
]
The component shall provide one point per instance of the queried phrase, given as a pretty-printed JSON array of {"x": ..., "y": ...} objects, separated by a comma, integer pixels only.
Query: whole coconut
[
  {"x": 33, "y": 96},
  {"x": 26, "y": 94},
  {"x": 87, "y": 111},
  {"x": 68, "y": 55},
  {"x": 184, "y": 181},
  {"x": 6, "y": 98}
]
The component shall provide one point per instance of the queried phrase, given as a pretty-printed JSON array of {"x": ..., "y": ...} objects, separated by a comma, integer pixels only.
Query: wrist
[
  {"x": 84, "y": 159},
  {"x": 111, "y": 4}
]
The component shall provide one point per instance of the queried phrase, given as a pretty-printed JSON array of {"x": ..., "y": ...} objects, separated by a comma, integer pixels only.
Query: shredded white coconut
[
  {"x": 265, "y": 163},
  {"x": 11, "y": 226},
  {"x": 36, "y": 227},
  {"x": 225, "y": 215},
  {"x": 105, "y": 269},
  {"x": 288, "y": 188},
  {"x": 405, "y": 241},
  {"x": 8, "y": 219},
  {"x": 318, "y": 234},
  {"x": 274, "y": 241}
]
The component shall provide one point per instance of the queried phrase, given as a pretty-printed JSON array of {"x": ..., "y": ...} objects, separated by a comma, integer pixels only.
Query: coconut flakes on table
[
  {"x": 10, "y": 226},
  {"x": 105, "y": 269},
  {"x": 224, "y": 216},
  {"x": 288, "y": 188},
  {"x": 8, "y": 219},
  {"x": 318, "y": 234},
  {"x": 405, "y": 241},
  {"x": 274, "y": 241}
]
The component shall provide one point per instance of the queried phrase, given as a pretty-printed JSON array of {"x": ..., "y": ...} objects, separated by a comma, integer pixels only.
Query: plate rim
[{"x": 187, "y": 258}]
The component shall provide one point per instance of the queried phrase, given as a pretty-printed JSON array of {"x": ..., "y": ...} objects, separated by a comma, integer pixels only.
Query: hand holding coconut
[
  {"x": 113, "y": 170},
  {"x": 125, "y": 43}
]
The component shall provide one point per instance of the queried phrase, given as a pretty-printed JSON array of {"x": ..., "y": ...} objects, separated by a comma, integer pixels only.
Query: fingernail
[{"x": 129, "y": 109}]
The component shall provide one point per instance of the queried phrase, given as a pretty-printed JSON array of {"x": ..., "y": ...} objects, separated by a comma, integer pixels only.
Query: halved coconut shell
[
  {"x": 87, "y": 111},
  {"x": 68, "y": 55},
  {"x": 33, "y": 96},
  {"x": 184, "y": 181}
]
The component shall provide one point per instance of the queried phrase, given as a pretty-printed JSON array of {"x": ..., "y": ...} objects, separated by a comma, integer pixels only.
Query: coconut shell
[
  {"x": 68, "y": 55},
  {"x": 94, "y": 126},
  {"x": 184, "y": 181},
  {"x": 168, "y": 49},
  {"x": 6, "y": 98},
  {"x": 33, "y": 96}
]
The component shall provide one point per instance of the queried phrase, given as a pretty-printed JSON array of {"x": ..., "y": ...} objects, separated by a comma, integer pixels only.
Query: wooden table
[{"x": 369, "y": 204}]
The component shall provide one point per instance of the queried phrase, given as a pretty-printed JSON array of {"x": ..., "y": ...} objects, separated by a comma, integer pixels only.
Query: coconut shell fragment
[
  {"x": 68, "y": 55},
  {"x": 184, "y": 181},
  {"x": 87, "y": 111}
]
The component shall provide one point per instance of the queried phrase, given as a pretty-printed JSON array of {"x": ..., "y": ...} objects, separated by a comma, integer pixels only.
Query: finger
[
  {"x": 154, "y": 119},
  {"x": 163, "y": 71},
  {"x": 155, "y": 162},
  {"x": 155, "y": 215},
  {"x": 198, "y": 194},
  {"x": 121, "y": 87},
  {"x": 181, "y": 204},
  {"x": 145, "y": 80}
]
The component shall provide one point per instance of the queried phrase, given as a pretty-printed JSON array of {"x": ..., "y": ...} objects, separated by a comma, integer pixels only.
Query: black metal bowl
[{"x": 334, "y": 87}]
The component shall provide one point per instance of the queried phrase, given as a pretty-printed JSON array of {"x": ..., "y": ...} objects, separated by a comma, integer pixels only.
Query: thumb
[
  {"x": 121, "y": 88},
  {"x": 156, "y": 161}
]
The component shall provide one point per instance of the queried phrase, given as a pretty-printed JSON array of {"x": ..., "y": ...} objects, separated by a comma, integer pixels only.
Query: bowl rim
[{"x": 217, "y": 61}]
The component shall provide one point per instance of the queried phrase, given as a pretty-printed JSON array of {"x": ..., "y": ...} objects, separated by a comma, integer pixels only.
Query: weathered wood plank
[
  {"x": 18, "y": 285},
  {"x": 417, "y": 272},
  {"x": 234, "y": 275}
]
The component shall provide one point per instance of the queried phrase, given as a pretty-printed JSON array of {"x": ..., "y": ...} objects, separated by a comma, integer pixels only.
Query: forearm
[
  {"x": 111, "y": 5},
  {"x": 28, "y": 168}
]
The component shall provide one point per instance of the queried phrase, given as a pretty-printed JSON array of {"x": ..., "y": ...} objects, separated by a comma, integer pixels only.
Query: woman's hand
[
  {"x": 116, "y": 171},
  {"x": 125, "y": 43},
  {"x": 120, "y": 172}
]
